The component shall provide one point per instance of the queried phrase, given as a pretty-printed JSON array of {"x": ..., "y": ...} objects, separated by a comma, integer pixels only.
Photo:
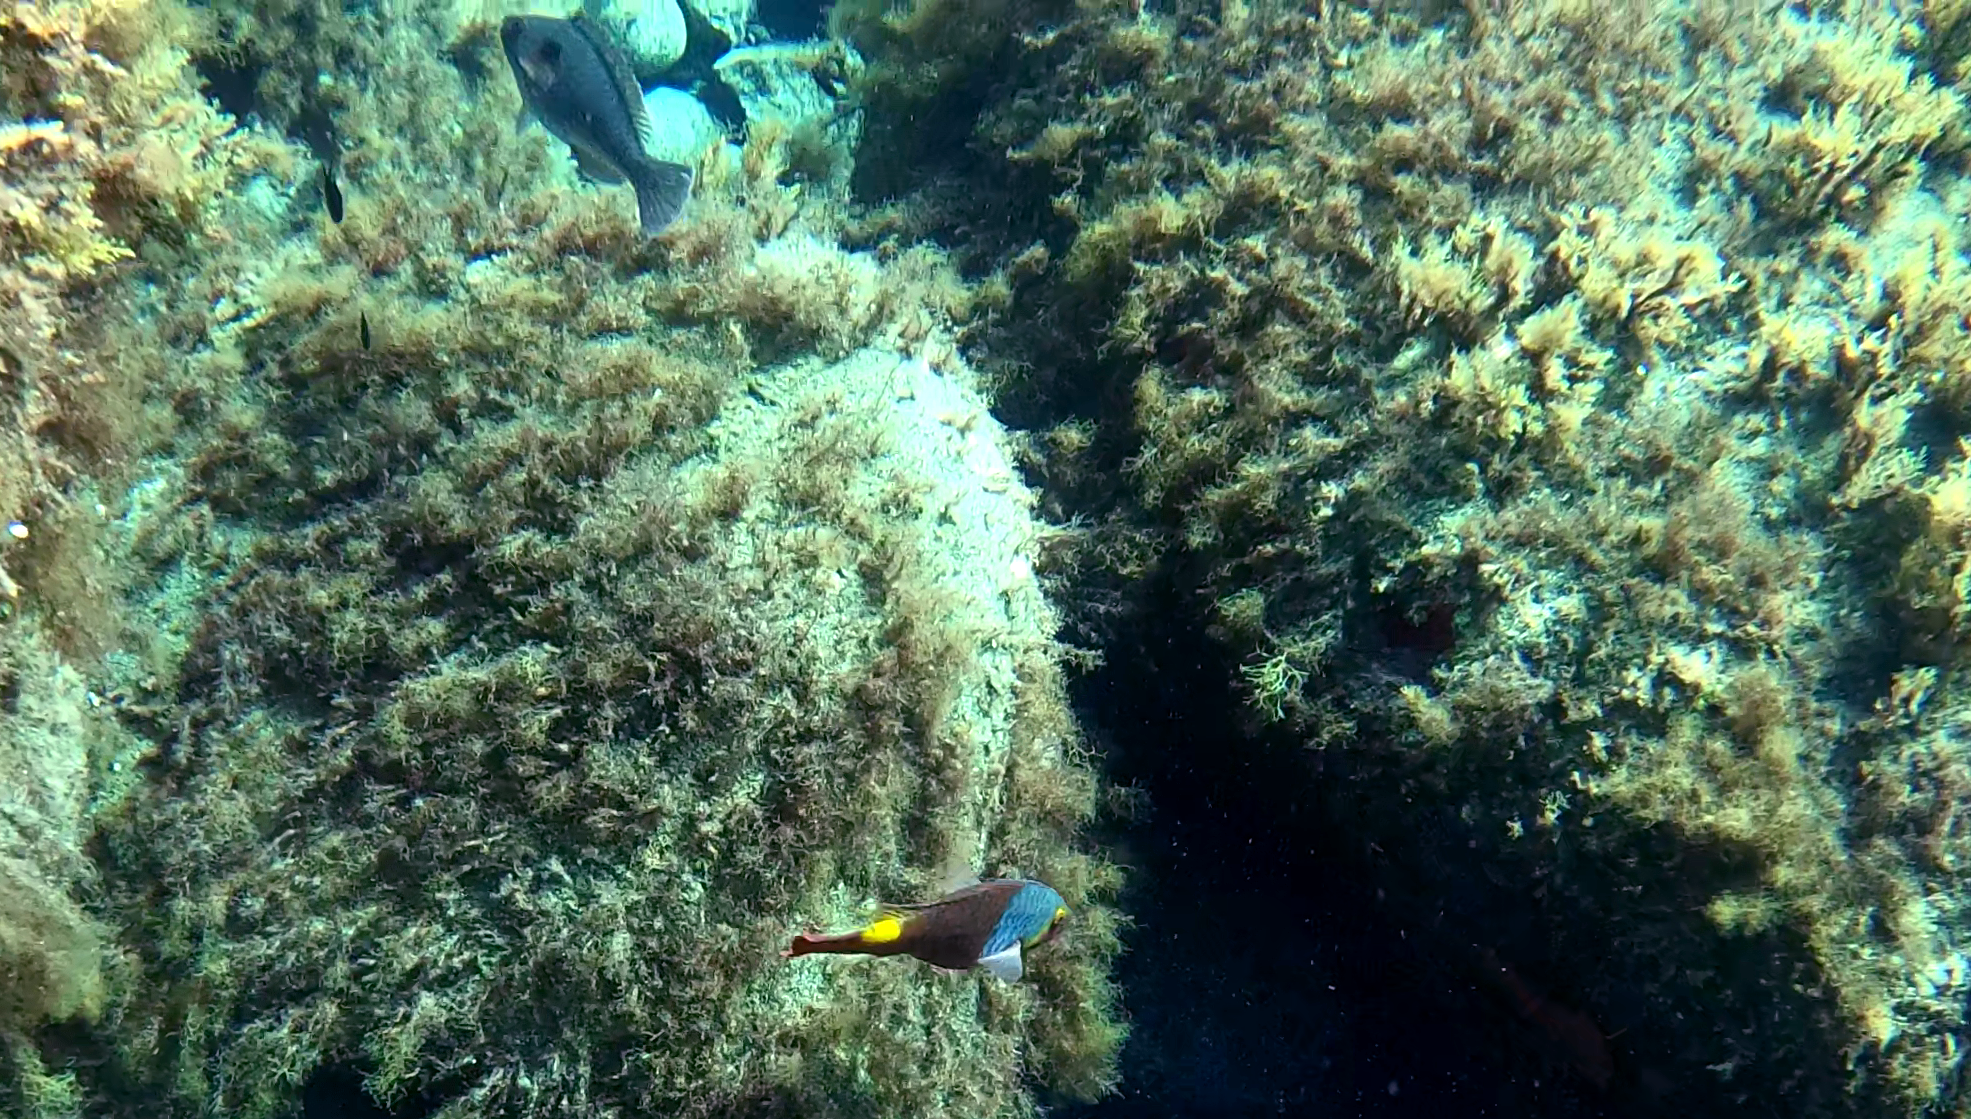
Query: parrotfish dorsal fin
[
  {"x": 620, "y": 73},
  {"x": 991, "y": 892}
]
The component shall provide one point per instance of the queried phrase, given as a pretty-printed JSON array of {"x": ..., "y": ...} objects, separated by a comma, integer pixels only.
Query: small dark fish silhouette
[
  {"x": 332, "y": 194},
  {"x": 363, "y": 327},
  {"x": 573, "y": 81},
  {"x": 1569, "y": 1036}
]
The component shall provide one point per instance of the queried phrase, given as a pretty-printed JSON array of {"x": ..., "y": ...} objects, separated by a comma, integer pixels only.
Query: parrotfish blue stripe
[{"x": 1025, "y": 915}]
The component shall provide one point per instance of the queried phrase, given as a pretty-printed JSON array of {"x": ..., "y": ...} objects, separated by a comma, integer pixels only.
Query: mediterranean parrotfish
[
  {"x": 577, "y": 84},
  {"x": 988, "y": 925}
]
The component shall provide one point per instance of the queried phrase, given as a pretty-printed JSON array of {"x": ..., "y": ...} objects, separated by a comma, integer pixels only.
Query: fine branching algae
[
  {"x": 498, "y": 630},
  {"x": 452, "y": 643},
  {"x": 1561, "y": 410}
]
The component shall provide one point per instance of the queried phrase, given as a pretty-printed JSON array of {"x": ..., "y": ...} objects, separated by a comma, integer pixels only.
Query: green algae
[
  {"x": 1559, "y": 404},
  {"x": 491, "y": 691}
]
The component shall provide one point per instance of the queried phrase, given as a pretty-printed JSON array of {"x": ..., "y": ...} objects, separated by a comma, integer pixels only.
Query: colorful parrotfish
[{"x": 988, "y": 924}]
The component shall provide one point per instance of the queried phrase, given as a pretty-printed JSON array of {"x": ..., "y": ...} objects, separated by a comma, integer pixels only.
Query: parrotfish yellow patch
[
  {"x": 1040, "y": 934},
  {"x": 883, "y": 931}
]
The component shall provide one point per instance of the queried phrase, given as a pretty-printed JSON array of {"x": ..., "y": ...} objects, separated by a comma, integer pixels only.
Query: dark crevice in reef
[
  {"x": 336, "y": 1092},
  {"x": 1284, "y": 958},
  {"x": 232, "y": 83},
  {"x": 792, "y": 20}
]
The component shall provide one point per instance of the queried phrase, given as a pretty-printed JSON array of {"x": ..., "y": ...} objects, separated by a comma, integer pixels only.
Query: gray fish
[{"x": 574, "y": 82}]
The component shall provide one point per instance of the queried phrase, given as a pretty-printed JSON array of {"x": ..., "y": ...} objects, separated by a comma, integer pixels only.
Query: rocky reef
[
  {"x": 1557, "y": 410},
  {"x": 493, "y": 633},
  {"x": 451, "y": 644}
]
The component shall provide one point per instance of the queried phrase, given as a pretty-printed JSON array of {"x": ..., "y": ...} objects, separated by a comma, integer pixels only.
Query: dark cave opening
[
  {"x": 792, "y": 20},
  {"x": 336, "y": 1091},
  {"x": 232, "y": 83},
  {"x": 1273, "y": 967}
]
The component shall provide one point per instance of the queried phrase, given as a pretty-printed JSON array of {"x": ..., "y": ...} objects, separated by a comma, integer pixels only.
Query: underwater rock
[
  {"x": 651, "y": 33},
  {"x": 798, "y": 88},
  {"x": 572, "y": 703},
  {"x": 681, "y": 127},
  {"x": 727, "y": 17},
  {"x": 795, "y": 82},
  {"x": 1473, "y": 474},
  {"x": 835, "y": 547},
  {"x": 50, "y": 956}
]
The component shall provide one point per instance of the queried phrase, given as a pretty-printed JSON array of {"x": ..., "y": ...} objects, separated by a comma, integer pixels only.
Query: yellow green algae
[
  {"x": 1563, "y": 405},
  {"x": 462, "y": 643}
]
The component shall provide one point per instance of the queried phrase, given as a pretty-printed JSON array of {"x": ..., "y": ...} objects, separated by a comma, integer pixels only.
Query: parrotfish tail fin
[
  {"x": 661, "y": 192},
  {"x": 808, "y": 944}
]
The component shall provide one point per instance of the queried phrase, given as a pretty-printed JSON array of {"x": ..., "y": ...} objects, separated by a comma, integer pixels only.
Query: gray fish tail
[{"x": 661, "y": 192}]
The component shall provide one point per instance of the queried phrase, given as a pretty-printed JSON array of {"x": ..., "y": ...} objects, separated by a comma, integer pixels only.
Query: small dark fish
[
  {"x": 573, "y": 81},
  {"x": 363, "y": 327},
  {"x": 332, "y": 194},
  {"x": 1569, "y": 1036}
]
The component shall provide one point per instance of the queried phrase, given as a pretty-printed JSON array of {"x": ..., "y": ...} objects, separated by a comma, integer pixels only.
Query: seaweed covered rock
[
  {"x": 1561, "y": 416},
  {"x": 531, "y": 625},
  {"x": 798, "y": 90},
  {"x": 606, "y": 698},
  {"x": 111, "y": 167},
  {"x": 51, "y": 950}
]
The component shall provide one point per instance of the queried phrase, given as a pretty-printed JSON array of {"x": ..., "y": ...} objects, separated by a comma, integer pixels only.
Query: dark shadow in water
[
  {"x": 792, "y": 20},
  {"x": 336, "y": 1092},
  {"x": 1265, "y": 974}
]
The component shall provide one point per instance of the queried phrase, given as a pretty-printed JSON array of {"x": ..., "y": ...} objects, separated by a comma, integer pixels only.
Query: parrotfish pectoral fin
[
  {"x": 1005, "y": 965},
  {"x": 662, "y": 189}
]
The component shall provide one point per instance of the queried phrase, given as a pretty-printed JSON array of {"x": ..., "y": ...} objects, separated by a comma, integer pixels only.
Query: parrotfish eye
[{"x": 1054, "y": 923}]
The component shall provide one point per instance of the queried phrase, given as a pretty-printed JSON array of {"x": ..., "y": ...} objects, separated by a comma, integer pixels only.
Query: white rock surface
[
  {"x": 798, "y": 84},
  {"x": 950, "y": 527},
  {"x": 786, "y": 80},
  {"x": 681, "y": 128},
  {"x": 651, "y": 32},
  {"x": 730, "y": 17}
]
